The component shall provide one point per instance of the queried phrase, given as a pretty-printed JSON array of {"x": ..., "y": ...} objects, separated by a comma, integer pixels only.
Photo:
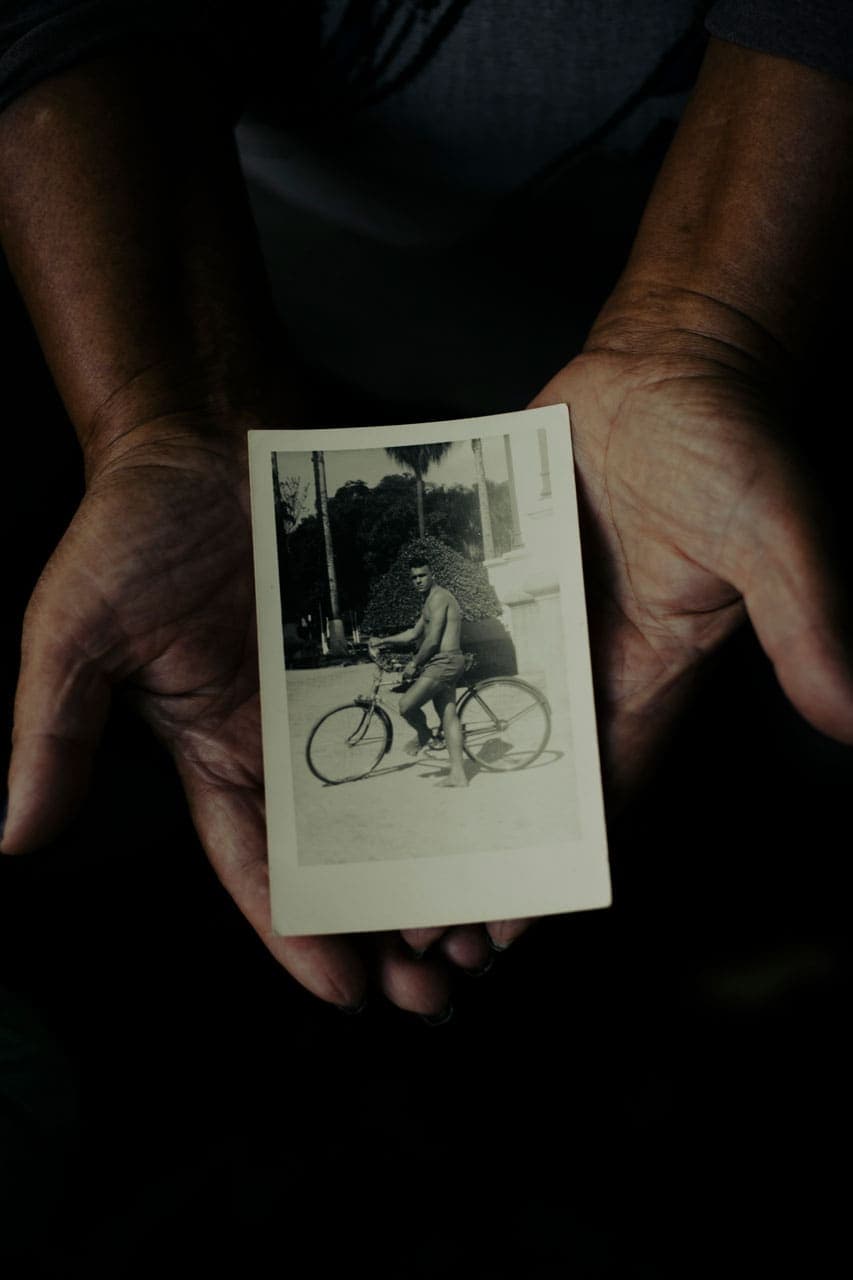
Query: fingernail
[
  {"x": 438, "y": 1019},
  {"x": 498, "y": 946},
  {"x": 482, "y": 970},
  {"x": 352, "y": 1009}
]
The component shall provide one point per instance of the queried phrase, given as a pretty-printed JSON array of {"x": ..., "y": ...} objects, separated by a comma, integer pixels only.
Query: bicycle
[{"x": 506, "y": 725}]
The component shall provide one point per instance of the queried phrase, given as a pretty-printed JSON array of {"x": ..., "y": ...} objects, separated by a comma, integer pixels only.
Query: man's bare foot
[
  {"x": 455, "y": 780},
  {"x": 414, "y": 746}
]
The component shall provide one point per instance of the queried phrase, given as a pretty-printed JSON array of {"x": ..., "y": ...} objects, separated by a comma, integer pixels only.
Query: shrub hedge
[{"x": 394, "y": 604}]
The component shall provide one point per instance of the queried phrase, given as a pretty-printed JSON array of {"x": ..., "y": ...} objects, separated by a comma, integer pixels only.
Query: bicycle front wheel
[
  {"x": 347, "y": 743},
  {"x": 506, "y": 724}
]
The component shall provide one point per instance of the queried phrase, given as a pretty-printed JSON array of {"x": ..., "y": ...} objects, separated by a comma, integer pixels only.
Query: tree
[
  {"x": 293, "y": 501},
  {"x": 394, "y": 603},
  {"x": 419, "y": 458},
  {"x": 452, "y": 516},
  {"x": 483, "y": 499},
  {"x": 337, "y": 640},
  {"x": 500, "y": 512},
  {"x": 370, "y": 525},
  {"x": 390, "y": 520},
  {"x": 306, "y": 580}
]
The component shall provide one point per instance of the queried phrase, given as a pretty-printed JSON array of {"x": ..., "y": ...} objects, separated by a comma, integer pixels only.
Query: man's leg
[
  {"x": 410, "y": 708},
  {"x": 444, "y": 701}
]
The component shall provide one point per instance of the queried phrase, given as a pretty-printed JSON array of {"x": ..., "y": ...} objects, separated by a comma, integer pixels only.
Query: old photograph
[{"x": 430, "y": 748}]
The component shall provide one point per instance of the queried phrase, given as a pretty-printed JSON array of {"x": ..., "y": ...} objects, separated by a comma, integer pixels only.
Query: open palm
[
  {"x": 151, "y": 589},
  {"x": 695, "y": 513}
]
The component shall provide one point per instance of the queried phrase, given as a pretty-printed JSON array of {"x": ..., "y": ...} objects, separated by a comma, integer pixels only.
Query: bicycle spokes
[
  {"x": 505, "y": 723},
  {"x": 348, "y": 743}
]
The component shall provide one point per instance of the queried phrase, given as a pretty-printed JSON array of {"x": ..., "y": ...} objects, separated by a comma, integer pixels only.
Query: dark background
[{"x": 653, "y": 1090}]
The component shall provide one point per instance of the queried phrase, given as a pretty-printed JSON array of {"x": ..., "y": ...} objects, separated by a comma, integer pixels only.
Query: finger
[
  {"x": 467, "y": 947},
  {"x": 417, "y": 986},
  {"x": 230, "y": 822},
  {"x": 61, "y": 705},
  {"x": 420, "y": 940},
  {"x": 796, "y": 601},
  {"x": 504, "y": 932}
]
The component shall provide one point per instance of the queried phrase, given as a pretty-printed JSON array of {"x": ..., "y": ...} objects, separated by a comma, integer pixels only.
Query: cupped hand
[
  {"x": 151, "y": 589},
  {"x": 696, "y": 514}
]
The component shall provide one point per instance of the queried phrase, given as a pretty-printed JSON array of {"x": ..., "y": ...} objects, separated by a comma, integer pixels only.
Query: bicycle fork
[{"x": 368, "y": 710}]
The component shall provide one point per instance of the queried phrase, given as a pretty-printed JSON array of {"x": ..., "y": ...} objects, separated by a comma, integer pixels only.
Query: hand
[
  {"x": 409, "y": 671},
  {"x": 695, "y": 516},
  {"x": 151, "y": 588}
]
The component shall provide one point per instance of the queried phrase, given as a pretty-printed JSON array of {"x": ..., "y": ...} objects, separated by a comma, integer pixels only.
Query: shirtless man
[{"x": 435, "y": 668}]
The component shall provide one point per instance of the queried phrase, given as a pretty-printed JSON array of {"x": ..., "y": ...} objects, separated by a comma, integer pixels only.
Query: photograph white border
[{"x": 569, "y": 875}]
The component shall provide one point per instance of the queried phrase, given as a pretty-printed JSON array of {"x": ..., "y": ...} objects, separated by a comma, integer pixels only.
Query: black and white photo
[{"x": 429, "y": 738}]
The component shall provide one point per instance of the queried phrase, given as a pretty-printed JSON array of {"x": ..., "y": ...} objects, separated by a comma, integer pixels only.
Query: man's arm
[
  {"x": 747, "y": 233},
  {"x": 124, "y": 221},
  {"x": 694, "y": 494},
  {"x": 697, "y": 512},
  {"x": 403, "y": 637}
]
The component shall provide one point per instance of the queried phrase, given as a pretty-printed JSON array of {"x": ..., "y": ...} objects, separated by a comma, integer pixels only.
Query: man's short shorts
[{"x": 445, "y": 669}]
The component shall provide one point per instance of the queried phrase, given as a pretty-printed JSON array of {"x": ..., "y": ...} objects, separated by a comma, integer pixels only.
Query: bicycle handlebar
[
  {"x": 398, "y": 662},
  {"x": 386, "y": 663}
]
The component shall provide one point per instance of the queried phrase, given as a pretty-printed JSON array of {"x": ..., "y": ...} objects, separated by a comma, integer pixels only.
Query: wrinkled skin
[
  {"x": 151, "y": 588},
  {"x": 693, "y": 516}
]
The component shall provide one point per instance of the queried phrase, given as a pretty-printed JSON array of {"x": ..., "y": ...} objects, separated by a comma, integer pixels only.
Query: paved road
[{"x": 401, "y": 810}]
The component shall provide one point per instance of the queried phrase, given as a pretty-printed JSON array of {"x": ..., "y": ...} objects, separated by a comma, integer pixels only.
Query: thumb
[
  {"x": 61, "y": 705},
  {"x": 796, "y": 600}
]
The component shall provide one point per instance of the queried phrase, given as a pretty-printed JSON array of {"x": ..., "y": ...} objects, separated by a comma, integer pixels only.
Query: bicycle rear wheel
[
  {"x": 506, "y": 724},
  {"x": 347, "y": 744}
]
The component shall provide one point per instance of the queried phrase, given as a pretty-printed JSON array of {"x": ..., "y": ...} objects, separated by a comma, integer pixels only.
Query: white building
[{"x": 525, "y": 578}]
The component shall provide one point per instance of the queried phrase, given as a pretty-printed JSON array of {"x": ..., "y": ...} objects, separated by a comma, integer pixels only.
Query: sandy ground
[{"x": 401, "y": 810}]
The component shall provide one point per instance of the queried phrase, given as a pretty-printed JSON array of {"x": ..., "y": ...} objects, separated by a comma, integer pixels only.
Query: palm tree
[
  {"x": 337, "y": 639},
  {"x": 419, "y": 458},
  {"x": 483, "y": 497}
]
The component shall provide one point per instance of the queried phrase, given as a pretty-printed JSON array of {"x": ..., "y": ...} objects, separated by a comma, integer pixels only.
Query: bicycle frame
[
  {"x": 484, "y": 724},
  {"x": 373, "y": 704},
  {"x": 470, "y": 690}
]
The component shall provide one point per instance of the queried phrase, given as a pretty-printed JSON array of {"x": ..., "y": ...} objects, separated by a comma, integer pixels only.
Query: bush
[{"x": 394, "y": 604}]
